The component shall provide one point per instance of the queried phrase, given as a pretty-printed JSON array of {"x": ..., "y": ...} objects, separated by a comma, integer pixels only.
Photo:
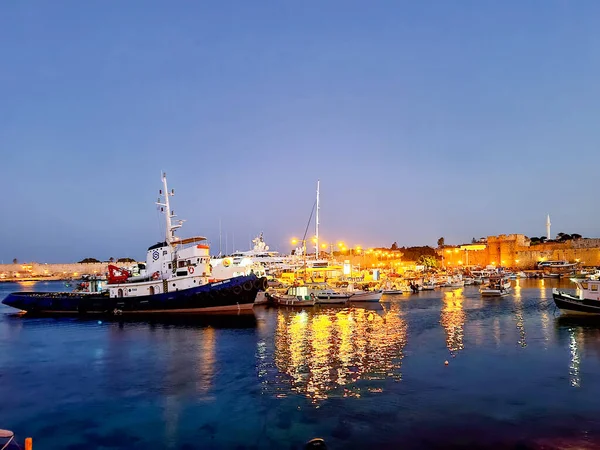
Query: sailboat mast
[{"x": 317, "y": 222}]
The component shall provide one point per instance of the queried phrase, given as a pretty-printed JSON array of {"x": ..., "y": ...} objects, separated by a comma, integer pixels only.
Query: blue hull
[{"x": 227, "y": 295}]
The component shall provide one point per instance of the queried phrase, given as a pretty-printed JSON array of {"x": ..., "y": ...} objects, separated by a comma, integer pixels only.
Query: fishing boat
[
  {"x": 497, "y": 287},
  {"x": 585, "y": 300},
  {"x": 295, "y": 296},
  {"x": 176, "y": 279}
]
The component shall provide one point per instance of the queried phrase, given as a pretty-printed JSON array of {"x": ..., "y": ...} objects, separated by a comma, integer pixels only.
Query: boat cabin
[{"x": 587, "y": 289}]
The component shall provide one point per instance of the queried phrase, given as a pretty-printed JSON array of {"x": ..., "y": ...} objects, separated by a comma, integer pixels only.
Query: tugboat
[
  {"x": 176, "y": 279},
  {"x": 585, "y": 301}
]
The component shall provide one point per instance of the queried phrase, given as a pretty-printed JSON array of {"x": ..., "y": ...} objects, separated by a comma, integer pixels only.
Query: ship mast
[
  {"x": 317, "y": 223},
  {"x": 170, "y": 231}
]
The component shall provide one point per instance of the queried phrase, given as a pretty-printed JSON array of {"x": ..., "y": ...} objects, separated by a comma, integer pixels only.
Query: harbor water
[{"x": 518, "y": 374}]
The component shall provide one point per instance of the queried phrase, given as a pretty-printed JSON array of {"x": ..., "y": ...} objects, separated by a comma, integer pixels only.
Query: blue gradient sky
[{"x": 422, "y": 119}]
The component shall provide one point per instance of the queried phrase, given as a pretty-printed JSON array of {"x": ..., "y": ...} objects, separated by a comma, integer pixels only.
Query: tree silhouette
[
  {"x": 88, "y": 260},
  {"x": 111, "y": 259},
  {"x": 394, "y": 246},
  {"x": 15, "y": 261},
  {"x": 440, "y": 242}
]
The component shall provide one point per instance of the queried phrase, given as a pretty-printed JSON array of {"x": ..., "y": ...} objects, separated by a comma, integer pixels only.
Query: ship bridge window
[
  {"x": 181, "y": 264},
  {"x": 594, "y": 287},
  {"x": 169, "y": 265},
  {"x": 584, "y": 285}
]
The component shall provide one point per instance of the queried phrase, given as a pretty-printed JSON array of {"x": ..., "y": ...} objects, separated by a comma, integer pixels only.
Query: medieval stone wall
[{"x": 516, "y": 251}]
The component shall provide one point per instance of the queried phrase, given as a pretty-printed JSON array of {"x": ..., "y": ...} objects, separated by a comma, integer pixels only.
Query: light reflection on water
[
  {"x": 574, "y": 377},
  {"x": 520, "y": 321},
  {"x": 453, "y": 319},
  {"x": 327, "y": 352}
]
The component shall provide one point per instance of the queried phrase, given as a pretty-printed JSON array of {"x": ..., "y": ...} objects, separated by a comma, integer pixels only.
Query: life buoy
[
  {"x": 226, "y": 262},
  {"x": 248, "y": 285},
  {"x": 155, "y": 275},
  {"x": 191, "y": 269}
]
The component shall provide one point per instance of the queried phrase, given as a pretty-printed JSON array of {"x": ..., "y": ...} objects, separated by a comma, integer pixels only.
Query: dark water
[{"x": 519, "y": 375}]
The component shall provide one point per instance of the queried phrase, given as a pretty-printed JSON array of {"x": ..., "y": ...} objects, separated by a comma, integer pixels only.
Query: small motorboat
[
  {"x": 497, "y": 287},
  {"x": 366, "y": 296}
]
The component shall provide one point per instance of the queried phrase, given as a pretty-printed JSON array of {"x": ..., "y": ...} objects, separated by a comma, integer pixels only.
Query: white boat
[
  {"x": 585, "y": 300},
  {"x": 497, "y": 287},
  {"x": 366, "y": 296},
  {"x": 326, "y": 295},
  {"x": 477, "y": 280},
  {"x": 429, "y": 285}
]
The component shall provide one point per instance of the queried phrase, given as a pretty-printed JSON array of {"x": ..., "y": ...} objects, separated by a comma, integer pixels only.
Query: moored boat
[
  {"x": 585, "y": 300},
  {"x": 295, "y": 296},
  {"x": 366, "y": 296},
  {"x": 497, "y": 287},
  {"x": 176, "y": 279}
]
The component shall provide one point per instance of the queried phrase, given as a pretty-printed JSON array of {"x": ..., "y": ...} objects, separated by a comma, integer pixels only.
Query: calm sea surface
[{"x": 519, "y": 375}]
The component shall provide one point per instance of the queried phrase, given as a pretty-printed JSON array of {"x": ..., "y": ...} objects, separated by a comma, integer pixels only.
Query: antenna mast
[{"x": 170, "y": 232}]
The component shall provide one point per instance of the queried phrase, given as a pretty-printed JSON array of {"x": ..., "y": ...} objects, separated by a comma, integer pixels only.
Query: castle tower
[{"x": 548, "y": 235}]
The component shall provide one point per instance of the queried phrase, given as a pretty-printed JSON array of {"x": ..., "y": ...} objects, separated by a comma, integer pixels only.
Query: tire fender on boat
[
  {"x": 237, "y": 290},
  {"x": 248, "y": 285}
]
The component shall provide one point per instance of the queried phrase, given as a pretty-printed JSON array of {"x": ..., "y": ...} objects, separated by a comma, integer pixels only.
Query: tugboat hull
[
  {"x": 574, "y": 305},
  {"x": 225, "y": 296}
]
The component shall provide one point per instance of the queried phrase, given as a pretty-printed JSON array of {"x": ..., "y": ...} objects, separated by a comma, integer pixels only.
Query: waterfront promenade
[{"x": 44, "y": 271}]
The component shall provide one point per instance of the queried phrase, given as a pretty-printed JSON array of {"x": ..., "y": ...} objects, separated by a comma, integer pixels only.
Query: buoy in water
[
  {"x": 100, "y": 323},
  {"x": 446, "y": 362}
]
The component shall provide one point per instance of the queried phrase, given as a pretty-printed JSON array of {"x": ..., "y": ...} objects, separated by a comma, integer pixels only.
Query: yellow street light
[{"x": 294, "y": 241}]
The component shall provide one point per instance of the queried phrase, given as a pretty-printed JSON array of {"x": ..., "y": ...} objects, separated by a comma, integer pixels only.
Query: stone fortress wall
[{"x": 515, "y": 250}]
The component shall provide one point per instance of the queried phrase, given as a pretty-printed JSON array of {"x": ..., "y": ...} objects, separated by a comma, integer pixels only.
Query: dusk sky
[{"x": 421, "y": 119}]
